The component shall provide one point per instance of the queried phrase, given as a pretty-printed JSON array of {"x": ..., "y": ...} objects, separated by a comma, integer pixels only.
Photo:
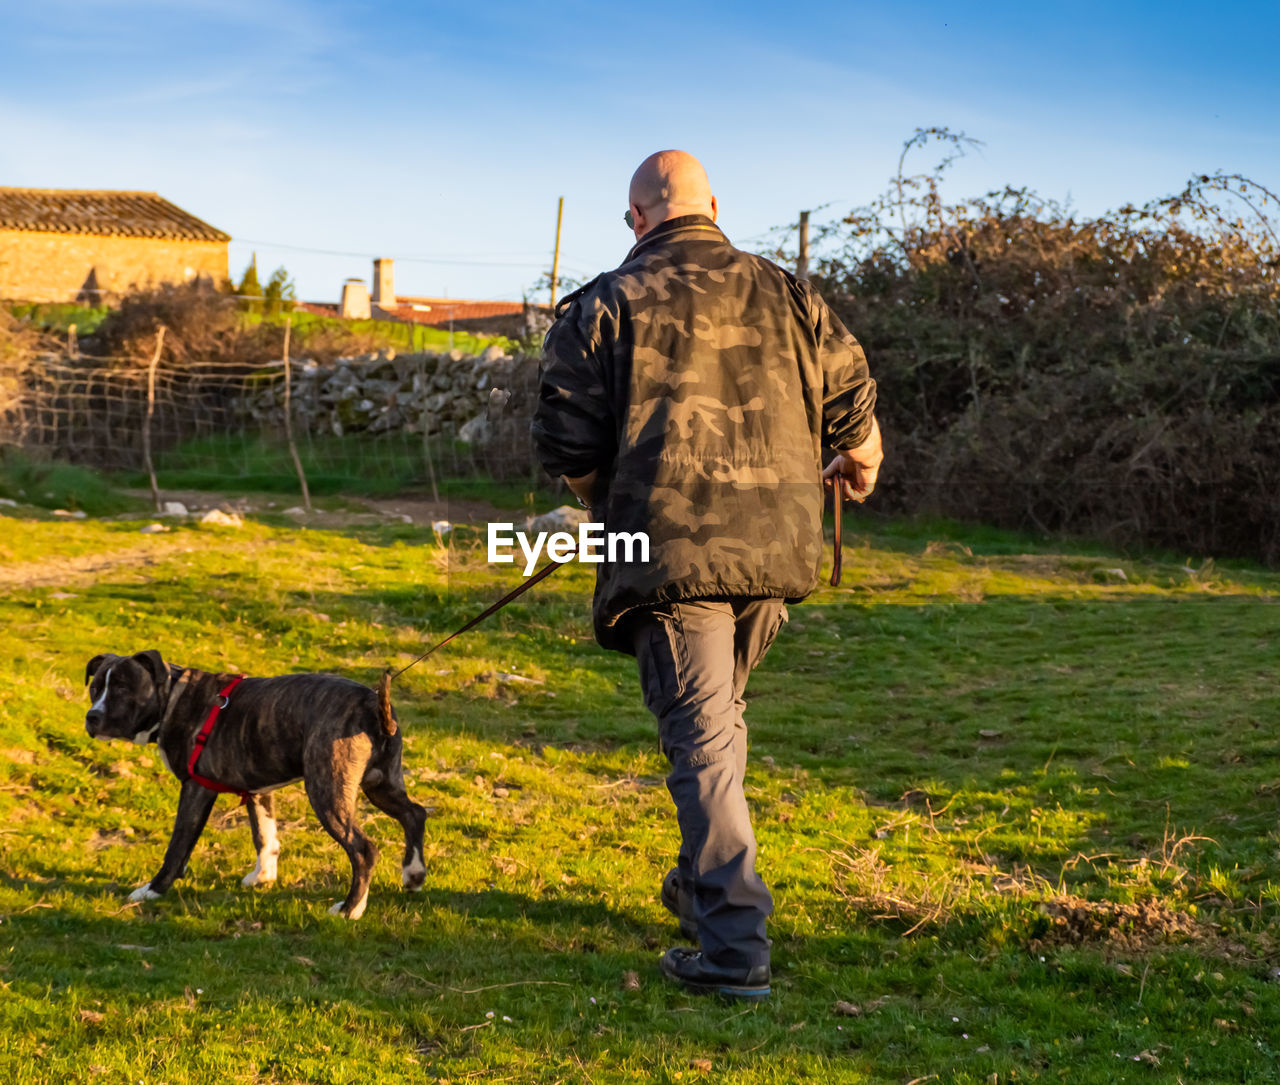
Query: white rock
[
  {"x": 565, "y": 518},
  {"x": 406, "y": 518},
  {"x": 152, "y": 529},
  {"x": 474, "y": 431},
  {"x": 8, "y": 502},
  {"x": 498, "y": 399},
  {"x": 218, "y": 518},
  {"x": 295, "y": 510},
  {"x": 441, "y": 527},
  {"x": 174, "y": 508},
  {"x": 77, "y": 515}
]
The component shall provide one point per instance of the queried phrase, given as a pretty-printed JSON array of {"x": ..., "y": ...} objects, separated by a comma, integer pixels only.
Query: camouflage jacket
[{"x": 701, "y": 382}]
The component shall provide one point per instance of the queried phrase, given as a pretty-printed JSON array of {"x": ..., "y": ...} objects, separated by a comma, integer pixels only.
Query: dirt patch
[
  {"x": 358, "y": 512},
  {"x": 423, "y": 511},
  {"x": 1124, "y": 927},
  {"x": 67, "y": 571},
  {"x": 109, "y": 838},
  {"x": 151, "y": 549}
]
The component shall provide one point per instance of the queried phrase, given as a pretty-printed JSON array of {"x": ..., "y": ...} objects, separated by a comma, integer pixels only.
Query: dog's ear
[
  {"x": 155, "y": 666},
  {"x": 95, "y": 664}
]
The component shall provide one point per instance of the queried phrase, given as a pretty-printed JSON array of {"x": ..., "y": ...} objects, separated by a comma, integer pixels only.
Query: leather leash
[
  {"x": 388, "y": 675},
  {"x": 837, "y": 557},
  {"x": 384, "y": 685}
]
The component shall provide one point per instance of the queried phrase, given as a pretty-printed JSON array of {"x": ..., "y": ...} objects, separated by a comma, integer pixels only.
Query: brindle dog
[{"x": 330, "y": 732}]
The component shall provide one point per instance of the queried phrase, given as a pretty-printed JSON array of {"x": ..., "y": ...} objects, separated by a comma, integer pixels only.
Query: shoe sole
[{"x": 751, "y": 994}]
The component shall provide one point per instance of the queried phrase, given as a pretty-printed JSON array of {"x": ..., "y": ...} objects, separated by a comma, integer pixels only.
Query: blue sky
[{"x": 442, "y": 134}]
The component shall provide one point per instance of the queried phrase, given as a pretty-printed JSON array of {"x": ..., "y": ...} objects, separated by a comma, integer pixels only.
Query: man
[{"x": 687, "y": 395}]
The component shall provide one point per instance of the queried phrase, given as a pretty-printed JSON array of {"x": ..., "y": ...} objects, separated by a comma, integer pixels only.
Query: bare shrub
[
  {"x": 1116, "y": 376},
  {"x": 205, "y": 326},
  {"x": 202, "y": 325},
  {"x": 18, "y": 340}
]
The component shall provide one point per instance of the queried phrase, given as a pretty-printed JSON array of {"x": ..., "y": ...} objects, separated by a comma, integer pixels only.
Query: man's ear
[
  {"x": 155, "y": 666},
  {"x": 95, "y": 664}
]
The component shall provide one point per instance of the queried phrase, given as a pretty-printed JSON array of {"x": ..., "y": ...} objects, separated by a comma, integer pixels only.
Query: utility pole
[
  {"x": 555, "y": 260},
  {"x": 802, "y": 260}
]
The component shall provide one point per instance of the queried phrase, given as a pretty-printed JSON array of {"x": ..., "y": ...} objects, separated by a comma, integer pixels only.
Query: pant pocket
[
  {"x": 766, "y": 635},
  {"x": 661, "y": 655}
]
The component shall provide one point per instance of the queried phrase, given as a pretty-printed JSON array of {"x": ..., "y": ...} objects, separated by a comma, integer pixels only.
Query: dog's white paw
[
  {"x": 413, "y": 874},
  {"x": 261, "y": 874},
  {"x": 356, "y": 911},
  {"x": 143, "y": 892}
]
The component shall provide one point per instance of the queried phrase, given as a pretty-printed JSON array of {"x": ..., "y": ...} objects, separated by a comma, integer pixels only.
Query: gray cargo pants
[{"x": 695, "y": 658}]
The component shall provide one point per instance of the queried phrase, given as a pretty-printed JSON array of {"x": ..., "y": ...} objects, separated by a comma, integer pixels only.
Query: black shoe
[
  {"x": 679, "y": 904},
  {"x": 691, "y": 968}
]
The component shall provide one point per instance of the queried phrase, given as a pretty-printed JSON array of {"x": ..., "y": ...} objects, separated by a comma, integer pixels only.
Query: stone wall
[
  {"x": 87, "y": 268},
  {"x": 91, "y": 411},
  {"x": 472, "y": 399}
]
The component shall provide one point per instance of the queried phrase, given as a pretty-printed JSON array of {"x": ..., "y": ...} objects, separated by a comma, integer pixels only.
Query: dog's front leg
[
  {"x": 262, "y": 824},
  {"x": 194, "y": 806}
]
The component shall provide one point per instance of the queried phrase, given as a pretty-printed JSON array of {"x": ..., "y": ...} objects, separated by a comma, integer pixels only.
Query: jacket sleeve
[
  {"x": 848, "y": 392},
  {"x": 573, "y": 429}
]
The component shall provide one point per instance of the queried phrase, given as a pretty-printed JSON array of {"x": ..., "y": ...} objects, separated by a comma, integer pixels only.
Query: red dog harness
[{"x": 203, "y": 737}]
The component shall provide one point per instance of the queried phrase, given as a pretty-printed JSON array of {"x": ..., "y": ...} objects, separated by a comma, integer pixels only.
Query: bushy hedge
[
  {"x": 208, "y": 326},
  {"x": 1116, "y": 376}
]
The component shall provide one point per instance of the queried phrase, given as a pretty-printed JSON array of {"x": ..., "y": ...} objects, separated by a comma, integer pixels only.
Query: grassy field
[
  {"x": 1017, "y": 803},
  {"x": 57, "y": 317}
]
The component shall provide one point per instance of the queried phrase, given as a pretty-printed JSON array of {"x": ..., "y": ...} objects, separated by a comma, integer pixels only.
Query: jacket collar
[{"x": 684, "y": 228}]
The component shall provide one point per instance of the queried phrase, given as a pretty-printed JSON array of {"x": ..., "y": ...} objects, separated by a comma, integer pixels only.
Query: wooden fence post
[
  {"x": 555, "y": 260},
  {"x": 288, "y": 417},
  {"x": 802, "y": 259},
  {"x": 151, "y": 410},
  {"x": 426, "y": 441}
]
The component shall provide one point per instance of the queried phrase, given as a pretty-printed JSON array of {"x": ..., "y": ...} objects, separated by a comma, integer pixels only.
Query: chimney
[
  {"x": 384, "y": 283},
  {"x": 355, "y": 301}
]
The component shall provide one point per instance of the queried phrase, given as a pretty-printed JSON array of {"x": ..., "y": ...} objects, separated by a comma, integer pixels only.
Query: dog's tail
[{"x": 384, "y": 702}]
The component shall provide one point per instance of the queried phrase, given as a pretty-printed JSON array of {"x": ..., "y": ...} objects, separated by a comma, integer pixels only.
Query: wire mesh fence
[{"x": 378, "y": 422}]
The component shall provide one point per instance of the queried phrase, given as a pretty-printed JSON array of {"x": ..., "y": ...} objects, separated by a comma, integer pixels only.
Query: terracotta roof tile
[
  {"x": 101, "y": 212},
  {"x": 442, "y": 310}
]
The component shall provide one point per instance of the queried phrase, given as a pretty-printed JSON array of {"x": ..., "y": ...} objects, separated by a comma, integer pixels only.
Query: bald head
[{"x": 667, "y": 185}]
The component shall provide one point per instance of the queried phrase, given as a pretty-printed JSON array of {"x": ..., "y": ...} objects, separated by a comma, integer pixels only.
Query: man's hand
[
  {"x": 583, "y": 487},
  {"x": 855, "y": 469}
]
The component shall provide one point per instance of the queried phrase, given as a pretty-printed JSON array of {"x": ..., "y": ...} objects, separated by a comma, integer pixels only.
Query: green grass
[
  {"x": 388, "y": 333},
  {"x": 1021, "y": 812},
  {"x": 356, "y": 462},
  {"x": 53, "y": 484},
  {"x": 58, "y": 316}
]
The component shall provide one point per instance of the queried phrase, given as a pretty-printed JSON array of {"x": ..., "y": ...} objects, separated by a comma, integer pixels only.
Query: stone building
[{"x": 64, "y": 245}]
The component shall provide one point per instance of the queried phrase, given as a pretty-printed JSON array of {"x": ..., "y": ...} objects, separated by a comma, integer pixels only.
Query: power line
[{"x": 401, "y": 259}]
